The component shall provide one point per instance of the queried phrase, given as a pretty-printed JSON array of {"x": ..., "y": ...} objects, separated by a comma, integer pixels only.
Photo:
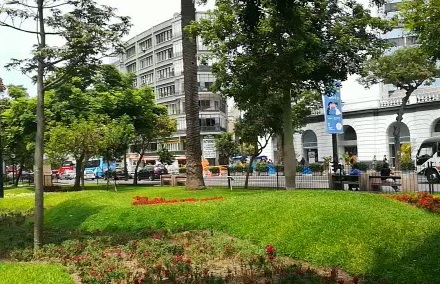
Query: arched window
[
  {"x": 349, "y": 133},
  {"x": 309, "y": 139}
]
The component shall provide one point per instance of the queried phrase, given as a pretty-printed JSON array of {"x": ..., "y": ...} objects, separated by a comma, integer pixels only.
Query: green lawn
[
  {"x": 362, "y": 233},
  {"x": 30, "y": 273}
]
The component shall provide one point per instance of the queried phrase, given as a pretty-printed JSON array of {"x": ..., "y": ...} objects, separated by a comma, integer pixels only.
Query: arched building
[{"x": 368, "y": 128}]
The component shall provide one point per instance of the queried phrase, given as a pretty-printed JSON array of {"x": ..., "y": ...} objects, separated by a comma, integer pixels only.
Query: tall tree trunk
[
  {"x": 39, "y": 137},
  {"x": 280, "y": 149},
  {"x": 125, "y": 165},
  {"x": 135, "y": 178},
  {"x": 194, "y": 171},
  {"x": 20, "y": 171},
  {"x": 79, "y": 166},
  {"x": 289, "y": 156},
  {"x": 108, "y": 174},
  {"x": 398, "y": 127},
  {"x": 248, "y": 172},
  {"x": 2, "y": 189}
]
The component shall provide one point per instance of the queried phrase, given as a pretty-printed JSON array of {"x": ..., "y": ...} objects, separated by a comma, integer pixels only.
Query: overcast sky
[{"x": 143, "y": 13}]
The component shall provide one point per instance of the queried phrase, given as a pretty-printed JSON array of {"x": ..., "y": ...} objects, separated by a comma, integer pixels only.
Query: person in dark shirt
[{"x": 386, "y": 173}]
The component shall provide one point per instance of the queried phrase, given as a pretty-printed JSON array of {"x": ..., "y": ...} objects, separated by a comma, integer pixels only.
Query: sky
[{"x": 144, "y": 14}]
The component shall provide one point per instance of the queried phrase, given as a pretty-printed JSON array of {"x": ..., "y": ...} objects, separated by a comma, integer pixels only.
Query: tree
[
  {"x": 80, "y": 140},
  {"x": 19, "y": 127},
  {"x": 165, "y": 156},
  {"x": 284, "y": 48},
  {"x": 226, "y": 146},
  {"x": 151, "y": 122},
  {"x": 194, "y": 171},
  {"x": 89, "y": 32},
  {"x": 116, "y": 136},
  {"x": 420, "y": 17},
  {"x": 407, "y": 69}
]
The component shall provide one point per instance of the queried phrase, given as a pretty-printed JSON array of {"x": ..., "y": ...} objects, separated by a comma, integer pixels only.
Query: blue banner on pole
[{"x": 333, "y": 110}]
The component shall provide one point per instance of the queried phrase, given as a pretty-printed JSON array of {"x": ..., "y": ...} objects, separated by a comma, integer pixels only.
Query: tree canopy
[{"x": 282, "y": 49}]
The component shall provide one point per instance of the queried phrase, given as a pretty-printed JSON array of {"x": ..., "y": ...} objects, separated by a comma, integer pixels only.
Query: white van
[{"x": 429, "y": 155}]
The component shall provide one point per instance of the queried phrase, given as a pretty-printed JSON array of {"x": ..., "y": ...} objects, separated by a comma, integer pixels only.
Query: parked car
[
  {"x": 118, "y": 174},
  {"x": 89, "y": 175},
  {"x": 151, "y": 172},
  {"x": 68, "y": 174}
]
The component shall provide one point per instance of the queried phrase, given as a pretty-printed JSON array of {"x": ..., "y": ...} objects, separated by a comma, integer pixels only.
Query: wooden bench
[
  {"x": 376, "y": 182},
  {"x": 352, "y": 181},
  {"x": 172, "y": 180}
]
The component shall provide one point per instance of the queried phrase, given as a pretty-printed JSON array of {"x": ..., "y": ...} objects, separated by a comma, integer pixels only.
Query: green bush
[
  {"x": 262, "y": 168},
  {"x": 362, "y": 166},
  {"x": 378, "y": 166},
  {"x": 299, "y": 168},
  {"x": 407, "y": 166},
  {"x": 316, "y": 167},
  {"x": 280, "y": 168},
  {"x": 182, "y": 170},
  {"x": 214, "y": 170}
]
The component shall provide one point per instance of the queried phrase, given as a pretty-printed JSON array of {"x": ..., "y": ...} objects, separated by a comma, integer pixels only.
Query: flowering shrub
[
  {"x": 187, "y": 257},
  {"x": 421, "y": 199},
  {"x": 143, "y": 200}
]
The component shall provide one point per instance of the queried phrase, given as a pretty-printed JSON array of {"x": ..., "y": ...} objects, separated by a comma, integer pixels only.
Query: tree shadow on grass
[
  {"x": 419, "y": 264},
  {"x": 16, "y": 228}
]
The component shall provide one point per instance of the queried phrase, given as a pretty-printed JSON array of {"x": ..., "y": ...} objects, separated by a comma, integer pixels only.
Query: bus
[
  {"x": 98, "y": 166},
  {"x": 427, "y": 155}
]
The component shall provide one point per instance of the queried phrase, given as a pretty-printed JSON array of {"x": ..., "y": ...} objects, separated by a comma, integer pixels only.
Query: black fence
[{"x": 427, "y": 179}]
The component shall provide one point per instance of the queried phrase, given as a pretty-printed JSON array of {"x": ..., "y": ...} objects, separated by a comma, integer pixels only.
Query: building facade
[
  {"x": 155, "y": 57},
  {"x": 368, "y": 124}
]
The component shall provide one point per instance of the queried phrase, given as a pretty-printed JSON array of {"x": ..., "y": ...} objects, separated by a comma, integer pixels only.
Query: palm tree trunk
[
  {"x": 39, "y": 137},
  {"x": 194, "y": 171}
]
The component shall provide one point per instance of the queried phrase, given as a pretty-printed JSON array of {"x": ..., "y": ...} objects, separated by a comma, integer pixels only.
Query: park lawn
[
  {"x": 33, "y": 273},
  {"x": 365, "y": 234}
]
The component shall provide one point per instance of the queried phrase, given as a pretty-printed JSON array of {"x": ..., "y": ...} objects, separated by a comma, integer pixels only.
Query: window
[
  {"x": 166, "y": 91},
  {"x": 205, "y": 82},
  {"x": 164, "y": 54},
  {"x": 130, "y": 52},
  {"x": 204, "y": 105},
  {"x": 399, "y": 41},
  {"x": 146, "y": 61},
  {"x": 146, "y": 44},
  {"x": 178, "y": 67},
  {"x": 173, "y": 109},
  {"x": 135, "y": 82},
  {"x": 390, "y": 7},
  {"x": 411, "y": 40},
  {"x": 177, "y": 29},
  {"x": 131, "y": 68},
  {"x": 164, "y": 36},
  {"x": 177, "y": 48},
  {"x": 147, "y": 79},
  {"x": 165, "y": 73}
]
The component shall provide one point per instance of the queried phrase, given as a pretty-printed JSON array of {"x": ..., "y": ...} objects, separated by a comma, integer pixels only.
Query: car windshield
[
  {"x": 89, "y": 173},
  {"x": 92, "y": 164}
]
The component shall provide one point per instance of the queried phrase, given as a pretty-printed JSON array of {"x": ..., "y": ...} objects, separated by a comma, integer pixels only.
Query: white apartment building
[{"x": 155, "y": 56}]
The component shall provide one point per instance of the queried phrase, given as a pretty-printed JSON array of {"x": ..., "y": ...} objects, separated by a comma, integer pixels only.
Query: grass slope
[
  {"x": 31, "y": 273},
  {"x": 362, "y": 233}
]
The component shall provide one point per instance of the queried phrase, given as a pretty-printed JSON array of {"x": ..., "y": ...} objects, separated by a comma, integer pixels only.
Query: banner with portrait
[{"x": 333, "y": 110}]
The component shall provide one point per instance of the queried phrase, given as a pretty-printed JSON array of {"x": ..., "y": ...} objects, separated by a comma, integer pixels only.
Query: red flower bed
[
  {"x": 144, "y": 200},
  {"x": 421, "y": 199}
]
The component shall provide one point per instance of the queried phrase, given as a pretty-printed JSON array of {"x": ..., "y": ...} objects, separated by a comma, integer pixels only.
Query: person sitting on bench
[
  {"x": 354, "y": 172},
  {"x": 386, "y": 173}
]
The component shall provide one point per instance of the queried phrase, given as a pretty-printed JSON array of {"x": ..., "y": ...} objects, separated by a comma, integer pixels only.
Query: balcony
[{"x": 216, "y": 128}]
